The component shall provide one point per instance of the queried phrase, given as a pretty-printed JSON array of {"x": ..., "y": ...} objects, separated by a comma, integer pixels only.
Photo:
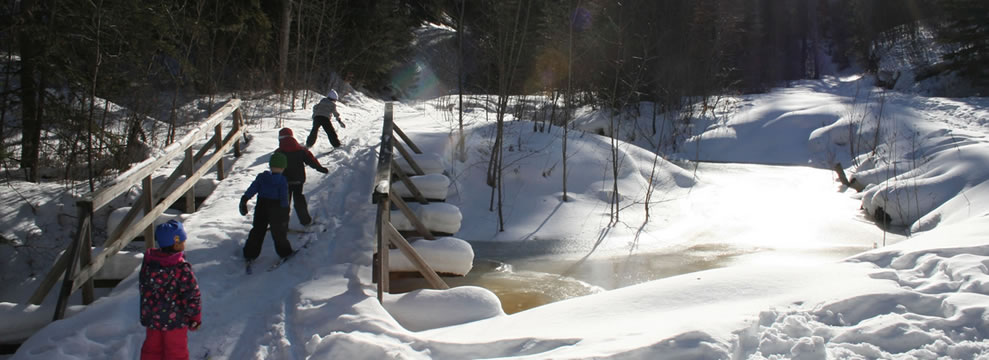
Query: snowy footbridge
[
  {"x": 80, "y": 265},
  {"x": 393, "y": 184}
]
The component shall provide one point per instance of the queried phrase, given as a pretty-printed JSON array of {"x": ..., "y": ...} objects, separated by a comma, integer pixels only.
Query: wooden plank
[
  {"x": 238, "y": 121},
  {"x": 411, "y": 186},
  {"x": 384, "y": 284},
  {"x": 109, "y": 250},
  {"x": 408, "y": 157},
  {"x": 206, "y": 147},
  {"x": 149, "y": 229},
  {"x": 84, "y": 210},
  {"x": 170, "y": 181},
  {"x": 122, "y": 184},
  {"x": 190, "y": 167},
  {"x": 50, "y": 279},
  {"x": 219, "y": 164},
  {"x": 382, "y": 175},
  {"x": 68, "y": 282},
  {"x": 86, "y": 257},
  {"x": 129, "y": 178},
  {"x": 404, "y": 208},
  {"x": 427, "y": 272},
  {"x": 408, "y": 141}
]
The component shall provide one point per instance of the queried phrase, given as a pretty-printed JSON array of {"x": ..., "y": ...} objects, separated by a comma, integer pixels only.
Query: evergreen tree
[{"x": 967, "y": 28}]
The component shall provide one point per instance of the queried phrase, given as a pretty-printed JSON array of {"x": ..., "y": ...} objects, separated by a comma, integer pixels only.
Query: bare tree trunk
[
  {"x": 3, "y": 107},
  {"x": 568, "y": 98},
  {"x": 461, "y": 145},
  {"x": 30, "y": 94},
  {"x": 283, "y": 40},
  {"x": 298, "y": 51},
  {"x": 509, "y": 52},
  {"x": 615, "y": 196},
  {"x": 92, "y": 96}
]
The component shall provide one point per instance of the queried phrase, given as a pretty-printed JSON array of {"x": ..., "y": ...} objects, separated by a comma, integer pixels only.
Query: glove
[
  {"x": 341, "y": 123},
  {"x": 323, "y": 170},
  {"x": 243, "y": 206}
]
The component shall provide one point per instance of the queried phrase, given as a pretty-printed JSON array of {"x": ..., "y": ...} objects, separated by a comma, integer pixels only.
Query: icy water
[{"x": 738, "y": 215}]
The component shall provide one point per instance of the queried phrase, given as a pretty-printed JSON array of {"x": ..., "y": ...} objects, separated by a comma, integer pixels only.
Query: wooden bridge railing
[
  {"x": 384, "y": 197},
  {"x": 79, "y": 265}
]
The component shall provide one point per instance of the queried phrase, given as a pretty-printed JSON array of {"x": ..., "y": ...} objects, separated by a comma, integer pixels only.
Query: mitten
[
  {"x": 243, "y": 206},
  {"x": 341, "y": 123},
  {"x": 323, "y": 170}
]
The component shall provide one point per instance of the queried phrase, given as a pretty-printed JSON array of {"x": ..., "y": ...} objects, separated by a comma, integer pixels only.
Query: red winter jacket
[
  {"x": 298, "y": 157},
  {"x": 170, "y": 297}
]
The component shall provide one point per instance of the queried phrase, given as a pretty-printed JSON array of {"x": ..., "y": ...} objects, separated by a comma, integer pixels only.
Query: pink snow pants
[{"x": 166, "y": 345}]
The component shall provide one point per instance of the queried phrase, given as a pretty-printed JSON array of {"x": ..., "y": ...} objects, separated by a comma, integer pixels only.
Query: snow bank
[
  {"x": 429, "y": 163},
  {"x": 432, "y": 186},
  {"x": 426, "y": 309},
  {"x": 439, "y": 217},
  {"x": 444, "y": 254}
]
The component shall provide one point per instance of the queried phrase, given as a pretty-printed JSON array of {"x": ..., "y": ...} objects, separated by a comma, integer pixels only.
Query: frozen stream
[{"x": 737, "y": 215}]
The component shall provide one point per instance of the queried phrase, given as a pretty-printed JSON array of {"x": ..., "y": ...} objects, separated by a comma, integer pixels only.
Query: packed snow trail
[{"x": 247, "y": 315}]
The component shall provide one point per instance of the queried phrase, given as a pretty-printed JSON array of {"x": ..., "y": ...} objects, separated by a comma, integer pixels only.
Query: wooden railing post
[
  {"x": 408, "y": 157},
  {"x": 408, "y": 141},
  {"x": 78, "y": 265},
  {"x": 382, "y": 187},
  {"x": 380, "y": 224},
  {"x": 86, "y": 256},
  {"x": 219, "y": 164},
  {"x": 149, "y": 232},
  {"x": 409, "y": 214},
  {"x": 190, "y": 168},
  {"x": 238, "y": 121},
  {"x": 82, "y": 231}
]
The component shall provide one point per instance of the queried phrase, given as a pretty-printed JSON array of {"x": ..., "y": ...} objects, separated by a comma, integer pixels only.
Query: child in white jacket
[{"x": 321, "y": 113}]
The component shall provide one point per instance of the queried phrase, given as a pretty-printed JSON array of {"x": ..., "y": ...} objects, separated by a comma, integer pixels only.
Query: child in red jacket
[
  {"x": 170, "y": 298},
  {"x": 295, "y": 172}
]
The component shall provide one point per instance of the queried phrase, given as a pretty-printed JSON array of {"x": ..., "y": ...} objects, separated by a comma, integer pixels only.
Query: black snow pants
[
  {"x": 298, "y": 201},
  {"x": 268, "y": 213},
  {"x": 324, "y": 122}
]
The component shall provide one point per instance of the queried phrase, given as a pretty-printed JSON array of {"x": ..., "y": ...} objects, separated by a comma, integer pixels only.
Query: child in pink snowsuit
[{"x": 170, "y": 299}]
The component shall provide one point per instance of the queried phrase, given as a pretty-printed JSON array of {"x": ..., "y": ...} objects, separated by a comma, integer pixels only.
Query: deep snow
[{"x": 922, "y": 295}]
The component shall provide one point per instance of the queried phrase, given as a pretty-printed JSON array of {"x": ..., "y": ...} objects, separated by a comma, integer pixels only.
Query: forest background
[{"x": 82, "y": 78}]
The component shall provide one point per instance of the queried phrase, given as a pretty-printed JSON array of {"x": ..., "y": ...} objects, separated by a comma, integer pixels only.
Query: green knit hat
[{"x": 278, "y": 160}]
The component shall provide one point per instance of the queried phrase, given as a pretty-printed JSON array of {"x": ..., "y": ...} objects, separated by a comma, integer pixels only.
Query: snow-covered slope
[{"x": 924, "y": 297}]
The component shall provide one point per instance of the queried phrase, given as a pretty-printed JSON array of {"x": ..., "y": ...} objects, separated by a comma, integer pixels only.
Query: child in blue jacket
[
  {"x": 170, "y": 298},
  {"x": 271, "y": 209}
]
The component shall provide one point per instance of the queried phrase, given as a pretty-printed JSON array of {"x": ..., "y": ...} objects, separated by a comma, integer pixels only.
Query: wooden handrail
[
  {"x": 409, "y": 214},
  {"x": 80, "y": 249},
  {"x": 411, "y": 186},
  {"x": 427, "y": 272},
  {"x": 89, "y": 271},
  {"x": 408, "y": 158},
  {"x": 384, "y": 197},
  {"x": 405, "y": 138},
  {"x": 124, "y": 182}
]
